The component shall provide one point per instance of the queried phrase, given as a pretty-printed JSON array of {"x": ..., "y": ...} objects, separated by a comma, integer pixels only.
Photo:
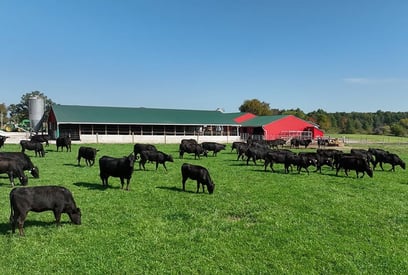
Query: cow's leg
[
  {"x": 164, "y": 165},
  {"x": 183, "y": 181},
  {"x": 127, "y": 184},
  {"x": 57, "y": 215},
  {"x": 122, "y": 182},
  {"x": 198, "y": 186},
  {"x": 20, "y": 221}
]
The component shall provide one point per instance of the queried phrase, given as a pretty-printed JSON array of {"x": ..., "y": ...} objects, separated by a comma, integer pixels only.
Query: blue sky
[{"x": 339, "y": 56}]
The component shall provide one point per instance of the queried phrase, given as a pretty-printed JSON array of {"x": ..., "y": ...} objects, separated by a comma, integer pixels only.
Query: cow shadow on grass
[
  {"x": 5, "y": 227},
  {"x": 173, "y": 188},
  {"x": 95, "y": 186}
]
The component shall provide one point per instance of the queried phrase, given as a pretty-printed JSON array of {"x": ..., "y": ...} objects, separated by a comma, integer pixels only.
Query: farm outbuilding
[
  {"x": 279, "y": 126},
  {"x": 127, "y": 124}
]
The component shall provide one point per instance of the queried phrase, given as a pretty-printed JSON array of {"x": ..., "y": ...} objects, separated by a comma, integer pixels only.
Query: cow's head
[
  {"x": 369, "y": 172},
  {"x": 169, "y": 158},
  {"x": 35, "y": 172},
  {"x": 75, "y": 216},
  {"x": 211, "y": 187},
  {"x": 24, "y": 180}
]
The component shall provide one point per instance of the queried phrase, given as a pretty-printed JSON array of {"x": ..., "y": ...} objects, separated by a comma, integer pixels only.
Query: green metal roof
[
  {"x": 260, "y": 121},
  {"x": 127, "y": 115}
]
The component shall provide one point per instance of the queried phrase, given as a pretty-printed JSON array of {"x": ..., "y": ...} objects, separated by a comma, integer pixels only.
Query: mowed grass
[{"x": 255, "y": 222}]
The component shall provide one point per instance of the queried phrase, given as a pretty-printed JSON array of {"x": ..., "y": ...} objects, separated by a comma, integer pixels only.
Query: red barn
[{"x": 279, "y": 126}]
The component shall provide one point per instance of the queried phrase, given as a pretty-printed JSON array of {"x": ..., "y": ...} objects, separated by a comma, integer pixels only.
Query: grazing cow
[
  {"x": 158, "y": 157},
  {"x": 382, "y": 156},
  {"x": 13, "y": 168},
  {"x": 40, "y": 138},
  {"x": 198, "y": 173},
  {"x": 2, "y": 140},
  {"x": 39, "y": 199},
  {"x": 352, "y": 162},
  {"x": 140, "y": 147},
  {"x": 63, "y": 142},
  {"x": 88, "y": 153},
  {"x": 213, "y": 146},
  {"x": 24, "y": 159},
  {"x": 116, "y": 167},
  {"x": 192, "y": 148},
  {"x": 37, "y": 147}
]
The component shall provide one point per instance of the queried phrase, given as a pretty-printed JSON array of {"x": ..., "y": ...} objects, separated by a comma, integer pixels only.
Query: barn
[
  {"x": 100, "y": 124},
  {"x": 279, "y": 126},
  {"x": 94, "y": 124}
]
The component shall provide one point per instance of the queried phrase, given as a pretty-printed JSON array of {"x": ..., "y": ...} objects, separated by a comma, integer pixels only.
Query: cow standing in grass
[
  {"x": 116, "y": 167},
  {"x": 88, "y": 153},
  {"x": 63, "y": 142},
  {"x": 198, "y": 173},
  {"x": 153, "y": 156}
]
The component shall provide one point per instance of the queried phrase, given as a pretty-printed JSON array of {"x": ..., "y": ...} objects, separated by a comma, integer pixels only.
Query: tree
[
  {"x": 19, "y": 111},
  {"x": 256, "y": 107},
  {"x": 3, "y": 115}
]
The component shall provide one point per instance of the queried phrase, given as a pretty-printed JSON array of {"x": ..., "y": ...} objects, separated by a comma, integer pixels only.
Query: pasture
[{"x": 255, "y": 222}]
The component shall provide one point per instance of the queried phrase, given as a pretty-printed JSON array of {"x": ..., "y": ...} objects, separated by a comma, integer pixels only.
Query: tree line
[{"x": 378, "y": 123}]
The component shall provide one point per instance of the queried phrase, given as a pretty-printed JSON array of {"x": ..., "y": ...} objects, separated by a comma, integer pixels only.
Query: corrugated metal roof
[
  {"x": 260, "y": 121},
  {"x": 127, "y": 115}
]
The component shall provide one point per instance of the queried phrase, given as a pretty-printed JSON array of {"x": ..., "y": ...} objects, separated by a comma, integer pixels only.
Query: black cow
[
  {"x": 198, "y": 173},
  {"x": 382, "y": 156},
  {"x": 37, "y": 147},
  {"x": 14, "y": 169},
  {"x": 364, "y": 154},
  {"x": 116, "y": 167},
  {"x": 241, "y": 150},
  {"x": 236, "y": 144},
  {"x": 140, "y": 147},
  {"x": 296, "y": 142},
  {"x": 318, "y": 159},
  {"x": 213, "y": 146},
  {"x": 39, "y": 199},
  {"x": 88, "y": 153},
  {"x": 275, "y": 143},
  {"x": 278, "y": 156},
  {"x": 63, "y": 142},
  {"x": 40, "y": 138},
  {"x": 2, "y": 140},
  {"x": 191, "y": 148},
  {"x": 24, "y": 159},
  {"x": 256, "y": 153},
  {"x": 352, "y": 162},
  {"x": 152, "y": 156}
]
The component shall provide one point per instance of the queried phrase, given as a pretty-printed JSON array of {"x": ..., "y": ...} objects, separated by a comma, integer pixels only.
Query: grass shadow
[
  {"x": 5, "y": 228},
  {"x": 173, "y": 188},
  {"x": 94, "y": 186}
]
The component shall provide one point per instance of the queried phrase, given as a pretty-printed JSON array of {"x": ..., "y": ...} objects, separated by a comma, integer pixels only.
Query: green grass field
[{"x": 255, "y": 222}]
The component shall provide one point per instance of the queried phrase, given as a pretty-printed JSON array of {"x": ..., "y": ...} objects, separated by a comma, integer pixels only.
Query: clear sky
[{"x": 339, "y": 56}]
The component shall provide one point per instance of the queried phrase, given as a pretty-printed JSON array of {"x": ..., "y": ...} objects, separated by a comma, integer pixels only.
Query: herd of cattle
[
  {"x": 60, "y": 200},
  {"x": 360, "y": 160}
]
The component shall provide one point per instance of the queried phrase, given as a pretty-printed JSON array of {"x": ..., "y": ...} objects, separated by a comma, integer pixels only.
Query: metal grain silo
[{"x": 35, "y": 112}]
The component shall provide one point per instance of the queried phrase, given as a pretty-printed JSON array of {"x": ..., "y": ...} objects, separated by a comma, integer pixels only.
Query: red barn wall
[{"x": 288, "y": 123}]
